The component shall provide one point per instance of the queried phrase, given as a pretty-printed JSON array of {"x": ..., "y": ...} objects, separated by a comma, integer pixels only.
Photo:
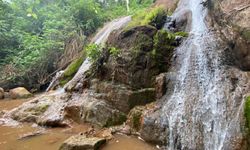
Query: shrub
[
  {"x": 114, "y": 51},
  {"x": 156, "y": 17},
  {"x": 93, "y": 51}
]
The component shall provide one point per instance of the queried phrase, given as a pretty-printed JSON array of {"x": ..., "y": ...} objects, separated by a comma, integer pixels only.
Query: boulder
[
  {"x": 135, "y": 117},
  {"x": 1, "y": 93},
  {"x": 153, "y": 129},
  {"x": 20, "y": 92},
  {"x": 147, "y": 120},
  {"x": 81, "y": 142},
  {"x": 46, "y": 110},
  {"x": 96, "y": 111},
  {"x": 160, "y": 85}
]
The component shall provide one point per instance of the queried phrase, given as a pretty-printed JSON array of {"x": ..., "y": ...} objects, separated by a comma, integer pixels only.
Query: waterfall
[
  {"x": 100, "y": 39},
  {"x": 201, "y": 111},
  {"x": 127, "y": 4}
]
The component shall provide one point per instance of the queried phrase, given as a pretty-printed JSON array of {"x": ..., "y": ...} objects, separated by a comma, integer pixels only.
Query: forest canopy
[{"x": 35, "y": 34}]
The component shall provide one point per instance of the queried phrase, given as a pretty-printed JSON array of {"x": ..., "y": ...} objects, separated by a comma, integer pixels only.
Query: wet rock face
[
  {"x": 19, "y": 92},
  {"x": 80, "y": 142},
  {"x": 233, "y": 18}
]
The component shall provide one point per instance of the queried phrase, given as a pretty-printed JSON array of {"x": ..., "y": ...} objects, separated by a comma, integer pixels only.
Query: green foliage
[
  {"x": 114, "y": 51},
  {"x": 33, "y": 33},
  {"x": 163, "y": 39},
  {"x": 181, "y": 33},
  {"x": 247, "y": 112},
  {"x": 113, "y": 9},
  {"x": 163, "y": 48},
  {"x": 154, "y": 17},
  {"x": 93, "y": 51}
]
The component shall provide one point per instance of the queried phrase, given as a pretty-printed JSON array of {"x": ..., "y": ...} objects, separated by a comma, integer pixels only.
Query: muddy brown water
[{"x": 51, "y": 139}]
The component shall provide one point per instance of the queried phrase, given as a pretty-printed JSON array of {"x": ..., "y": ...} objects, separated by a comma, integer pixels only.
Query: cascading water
[
  {"x": 127, "y": 5},
  {"x": 201, "y": 111},
  {"x": 100, "y": 39}
]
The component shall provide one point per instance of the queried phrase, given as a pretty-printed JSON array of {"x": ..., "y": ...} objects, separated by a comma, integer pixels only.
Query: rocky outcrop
[
  {"x": 122, "y": 96},
  {"x": 1, "y": 93},
  {"x": 232, "y": 18},
  {"x": 160, "y": 85},
  {"x": 144, "y": 52},
  {"x": 19, "y": 92},
  {"x": 80, "y": 142},
  {"x": 56, "y": 108}
]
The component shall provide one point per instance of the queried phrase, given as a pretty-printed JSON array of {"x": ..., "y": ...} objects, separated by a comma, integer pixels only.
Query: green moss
[
  {"x": 43, "y": 108},
  {"x": 38, "y": 109},
  {"x": 71, "y": 70},
  {"x": 73, "y": 67},
  {"x": 163, "y": 39},
  {"x": 183, "y": 34},
  {"x": 154, "y": 17},
  {"x": 117, "y": 120},
  {"x": 65, "y": 80},
  {"x": 137, "y": 120},
  {"x": 247, "y": 112},
  {"x": 246, "y": 34}
]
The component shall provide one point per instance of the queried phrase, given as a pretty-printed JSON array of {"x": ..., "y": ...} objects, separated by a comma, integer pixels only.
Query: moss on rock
[
  {"x": 247, "y": 112},
  {"x": 71, "y": 70},
  {"x": 73, "y": 67},
  {"x": 118, "y": 120},
  {"x": 154, "y": 17},
  {"x": 246, "y": 34},
  {"x": 135, "y": 117}
]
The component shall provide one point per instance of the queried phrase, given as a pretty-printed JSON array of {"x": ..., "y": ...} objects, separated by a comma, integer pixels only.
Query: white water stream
[{"x": 99, "y": 39}]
